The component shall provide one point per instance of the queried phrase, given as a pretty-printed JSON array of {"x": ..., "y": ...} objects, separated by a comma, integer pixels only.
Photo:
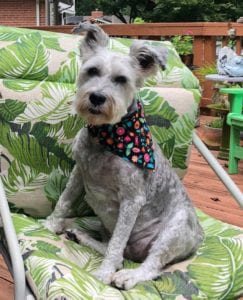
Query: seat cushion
[{"x": 57, "y": 267}]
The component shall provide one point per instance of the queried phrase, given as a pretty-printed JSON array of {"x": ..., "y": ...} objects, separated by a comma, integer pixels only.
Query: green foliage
[
  {"x": 119, "y": 8},
  {"x": 206, "y": 70},
  {"x": 138, "y": 21},
  {"x": 217, "y": 123},
  {"x": 183, "y": 44},
  {"x": 166, "y": 10}
]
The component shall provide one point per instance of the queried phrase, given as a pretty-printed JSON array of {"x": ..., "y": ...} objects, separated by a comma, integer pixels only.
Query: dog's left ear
[
  {"x": 148, "y": 57},
  {"x": 94, "y": 39}
]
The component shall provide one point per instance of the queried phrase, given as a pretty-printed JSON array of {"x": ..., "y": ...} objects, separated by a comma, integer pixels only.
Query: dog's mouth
[{"x": 94, "y": 111}]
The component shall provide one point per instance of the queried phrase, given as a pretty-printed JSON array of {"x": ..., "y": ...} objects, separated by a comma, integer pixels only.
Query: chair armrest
[{"x": 13, "y": 247}]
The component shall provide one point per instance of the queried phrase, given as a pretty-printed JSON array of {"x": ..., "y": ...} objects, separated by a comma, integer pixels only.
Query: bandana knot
[{"x": 130, "y": 138}]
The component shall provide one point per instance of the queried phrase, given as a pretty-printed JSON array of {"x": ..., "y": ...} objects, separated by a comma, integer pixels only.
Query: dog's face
[{"x": 107, "y": 80}]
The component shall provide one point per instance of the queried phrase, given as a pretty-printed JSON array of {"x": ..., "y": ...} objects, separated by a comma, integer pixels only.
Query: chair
[
  {"x": 36, "y": 131},
  {"x": 235, "y": 121}
]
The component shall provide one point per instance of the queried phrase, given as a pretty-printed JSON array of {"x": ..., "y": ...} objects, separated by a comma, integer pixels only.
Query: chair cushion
[
  {"x": 37, "y": 128},
  {"x": 59, "y": 58},
  {"x": 37, "y": 125},
  {"x": 56, "y": 267}
]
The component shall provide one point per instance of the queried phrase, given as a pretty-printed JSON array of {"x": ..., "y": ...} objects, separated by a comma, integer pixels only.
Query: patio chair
[
  {"x": 37, "y": 82},
  {"x": 235, "y": 121}
]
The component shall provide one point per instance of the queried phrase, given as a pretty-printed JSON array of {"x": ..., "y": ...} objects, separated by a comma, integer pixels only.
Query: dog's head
[{"x": 108, "y": 81}]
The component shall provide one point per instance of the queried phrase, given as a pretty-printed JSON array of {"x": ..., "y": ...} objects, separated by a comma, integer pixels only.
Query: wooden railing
[{"x": 204, "y": 45}]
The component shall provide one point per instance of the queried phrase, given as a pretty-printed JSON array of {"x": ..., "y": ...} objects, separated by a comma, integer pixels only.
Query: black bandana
[{"x": 130, "y": 138}]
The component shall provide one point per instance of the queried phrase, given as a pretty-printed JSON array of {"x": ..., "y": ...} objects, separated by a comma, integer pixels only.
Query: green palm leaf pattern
[
  {"x": 155, "y": 105},
  {"x": 142, "y": 291},
  {"x": 171, "y": 285},
  {"x": 173, "y": 77},
  {"x": 22, "y": 178},
  {"x": 26, "y": 149},
  {"x": 26, "y": 59},
  {"x": 68, "y": 71},
  {"x": 47, "y": 247},
  {"x": 219, "y": 278},
  {"x": 173, "y": 133},
  {"x": 26, "y": 226},
  {"x": 50, "y": 39},
  {"x": 10, "y": 109},
  {"x": 215, "y": 227},
  {"x": 52, "y": 108},
  {"x": 11, "y": 34},
  {"x": 188, "y": 80},
  {"x": 183, "y": 129},
  {"x": 66, "y": 129},
  {"x": 52, "y": 43},
  {"x": 90, "y": 224},
  {"x": 165, "y": 138},
  {"x": 81, "y": 285},
  {"x": 55, "y": 185},
  {"x": 120, "y": 45},
  {"x": 44, "y": 268},
  {"x": 20, "y": 85},
  {"x": 82, "y": 256}
]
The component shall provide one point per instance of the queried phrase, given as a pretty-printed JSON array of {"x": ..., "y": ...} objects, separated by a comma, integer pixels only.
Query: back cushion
[{"x": 37, "y": 125}]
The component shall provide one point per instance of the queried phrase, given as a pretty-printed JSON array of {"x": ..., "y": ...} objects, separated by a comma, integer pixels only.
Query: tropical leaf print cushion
[
  {"x": 57, "y": 267},
  {"x": 38, "y": 126},
  {"x": 38, "y": 71}
]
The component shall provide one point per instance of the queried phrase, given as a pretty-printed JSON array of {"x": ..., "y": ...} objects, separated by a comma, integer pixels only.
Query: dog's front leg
[
  {"x": 128, "y": 212},
  {"x": 56, "y": 221}
]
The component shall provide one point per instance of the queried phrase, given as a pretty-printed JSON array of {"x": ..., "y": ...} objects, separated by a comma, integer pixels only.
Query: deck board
[
  {"x": 206, "y": 191},
  {"x": 6, "y": 282}
]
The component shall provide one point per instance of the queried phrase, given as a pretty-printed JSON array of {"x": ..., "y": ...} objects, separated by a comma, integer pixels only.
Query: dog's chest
[{"x": 100, "y": 179}]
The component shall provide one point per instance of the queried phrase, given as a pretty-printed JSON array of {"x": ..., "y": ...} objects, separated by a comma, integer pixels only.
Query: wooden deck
[{"x": 206, "y": 191}]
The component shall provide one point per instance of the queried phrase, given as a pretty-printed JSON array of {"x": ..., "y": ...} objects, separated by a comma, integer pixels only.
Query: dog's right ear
[
  {"x": 148, "y": 57},
  {"x": 94, "y": 39}
]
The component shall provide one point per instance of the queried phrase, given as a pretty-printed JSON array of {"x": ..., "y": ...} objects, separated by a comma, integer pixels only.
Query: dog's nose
[{"x": 97, "y": 99}]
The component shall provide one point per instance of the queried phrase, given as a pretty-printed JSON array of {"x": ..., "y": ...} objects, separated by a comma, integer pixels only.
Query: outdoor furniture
[
  {"x": 37, "y": 83},
  {"x": 224, "y": 148},
  {"x": 235, "y": 121}
]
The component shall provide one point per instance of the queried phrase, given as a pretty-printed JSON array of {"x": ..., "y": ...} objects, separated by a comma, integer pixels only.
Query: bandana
[{"x": 129, "y": 139}]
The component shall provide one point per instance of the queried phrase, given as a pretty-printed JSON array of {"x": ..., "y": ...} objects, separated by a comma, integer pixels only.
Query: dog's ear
[
  {"x": 148, "y": 57},
  {"x": 94, "y": 39}
]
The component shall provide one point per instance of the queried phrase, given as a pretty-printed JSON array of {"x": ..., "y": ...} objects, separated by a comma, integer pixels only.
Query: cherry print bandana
[{"x": 130, "y": 138}]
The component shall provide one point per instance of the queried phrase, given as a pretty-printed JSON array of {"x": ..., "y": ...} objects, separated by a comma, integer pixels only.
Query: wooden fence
[{"x": 204, "y": 45}]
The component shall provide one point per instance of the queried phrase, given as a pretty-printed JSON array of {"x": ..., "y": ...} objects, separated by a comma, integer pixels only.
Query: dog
[{"x": 143, "y": 206}]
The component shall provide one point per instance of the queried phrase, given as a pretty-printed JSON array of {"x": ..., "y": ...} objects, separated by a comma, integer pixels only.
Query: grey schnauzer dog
[{"x": 147, "y": 215}]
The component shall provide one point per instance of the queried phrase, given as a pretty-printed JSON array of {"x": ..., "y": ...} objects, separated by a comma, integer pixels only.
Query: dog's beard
[{"x": 110, "y": 112}]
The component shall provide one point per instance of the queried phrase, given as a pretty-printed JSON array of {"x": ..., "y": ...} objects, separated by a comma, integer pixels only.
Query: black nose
[{"x": 97, "y": 99}]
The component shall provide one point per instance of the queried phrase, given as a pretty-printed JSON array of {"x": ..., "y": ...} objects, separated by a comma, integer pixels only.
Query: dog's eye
[
  {"x": 93, "y": 71},
  {"x": 120, "y": 79}
]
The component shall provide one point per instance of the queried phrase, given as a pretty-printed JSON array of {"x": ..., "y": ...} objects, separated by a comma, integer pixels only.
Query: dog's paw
[
  {"x": 126, "y": 278},
  {"x": 104, "y": 274},
  {"x": 56, "y": 225},
  {"x": 77, "y": 236}
]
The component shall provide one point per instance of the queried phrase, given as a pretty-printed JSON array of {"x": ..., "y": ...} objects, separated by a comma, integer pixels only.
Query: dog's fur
[{"x": 148, "y": 215}]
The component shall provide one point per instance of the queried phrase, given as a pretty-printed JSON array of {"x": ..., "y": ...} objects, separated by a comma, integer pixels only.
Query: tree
[
  {"x": 196, "y": 10},
  {"x": 119, "y": 8},
  {"x": 166, "y": 10}
]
